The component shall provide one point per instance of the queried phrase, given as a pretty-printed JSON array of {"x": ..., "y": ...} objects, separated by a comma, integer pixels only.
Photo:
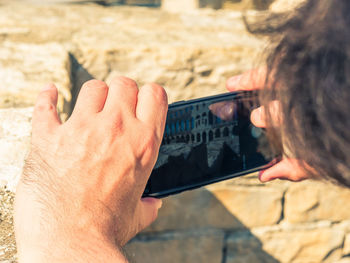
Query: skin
[
  {"x": 287, "y": 168},
  {"x": 79, "y": 199}
]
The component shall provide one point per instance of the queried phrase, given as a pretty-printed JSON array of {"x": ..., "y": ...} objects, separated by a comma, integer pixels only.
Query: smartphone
[{"x": 208, "y": 140}]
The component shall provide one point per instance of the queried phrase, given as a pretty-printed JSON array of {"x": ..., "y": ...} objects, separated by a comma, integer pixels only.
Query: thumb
[{"x": 149, "y": 211}]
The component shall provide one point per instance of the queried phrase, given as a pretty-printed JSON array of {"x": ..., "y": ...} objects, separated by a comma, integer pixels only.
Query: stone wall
[
  {"x": 175, "y": 5},
  {"x": 191, "y": 54},
  {"x": 180, "y": 5}
]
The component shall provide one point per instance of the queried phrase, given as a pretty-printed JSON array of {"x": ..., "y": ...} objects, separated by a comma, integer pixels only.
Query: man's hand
[
  {"x": 79, "y": 199},
  {"x": 287, "y": 168}
]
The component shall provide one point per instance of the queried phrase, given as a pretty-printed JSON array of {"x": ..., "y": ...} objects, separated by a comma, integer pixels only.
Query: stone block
[
  {"x": 302, "y": 244},
  {"x": 280, "y": 6},
  {"x": 26, "y": 68},
  {"x": 181, "y": 5},
  {"x": 178, "y": 69},
  {"x": 243, "y": 247},
  {"x": 191, "y": 55},
  {"x": 15, "y": 130},
  {"x": 142, "y": 2},
  {"x": 185, "y": 72},
  {"x": 346, "y": 248},
  {"x": 197, "y": 209},
  {"x": 192, "y": 59},
  {"x": 312, "y": 201},
  {"x": 174, "y": 248},
  {"x": 247, "y": 4},
  {"x": 253, "y": 205},
  {"x": 223, "y": 207}
]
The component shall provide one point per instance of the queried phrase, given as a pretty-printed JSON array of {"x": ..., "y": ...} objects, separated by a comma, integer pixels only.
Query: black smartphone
[{"x": 208, "y": 140}]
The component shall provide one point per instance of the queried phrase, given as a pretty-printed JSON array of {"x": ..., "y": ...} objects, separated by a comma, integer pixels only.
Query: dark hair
[{"x": 309, "y": 73}]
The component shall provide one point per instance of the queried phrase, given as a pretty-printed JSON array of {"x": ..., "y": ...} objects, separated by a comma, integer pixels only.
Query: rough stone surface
[
  {"x": 252, "y": 206},
  {"x": 311, "y": 243},
  {"x": 186, "y": 5},
  {"x": 174, "y": 248},
  {"x": 244, "y": 247},
  {"x": 7, "y": 238},
  {"x": 15, "y": 129},
  {"x": 346, "y": 249},
  {"x": 179, "y": 5},
  {"x": 194, "y": 210},
  {"x": 190, "y": 54},
  {"x": 313, "y": 201},
  {"x": 26, "y": 68},
  {"x": 185, "y": 53},
  {"x": 285, "y": 5}
]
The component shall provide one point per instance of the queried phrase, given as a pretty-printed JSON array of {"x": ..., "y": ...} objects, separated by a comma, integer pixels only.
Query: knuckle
[
  {"x": 117, "y": 126},
  {"x": 124, "y": 81},
  {"x": 43, "y": 106},
  {"x": 111, "y": 126},
  {"x": 94, "y": 83},
  {"x": 113, "y": 119},
  {"x": 158, "y": 92}
]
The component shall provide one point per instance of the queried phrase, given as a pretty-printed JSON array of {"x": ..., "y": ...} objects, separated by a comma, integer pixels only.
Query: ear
[{"x": 287, "y": 169}]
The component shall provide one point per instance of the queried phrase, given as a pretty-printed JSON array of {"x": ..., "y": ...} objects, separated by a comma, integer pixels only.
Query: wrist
[
  {"x": 52, "y": 234},
  {"x": 70, "y": 250}
]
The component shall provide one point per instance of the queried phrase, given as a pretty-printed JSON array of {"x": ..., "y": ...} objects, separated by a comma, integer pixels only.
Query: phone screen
[{"x": 208, "y": 140}]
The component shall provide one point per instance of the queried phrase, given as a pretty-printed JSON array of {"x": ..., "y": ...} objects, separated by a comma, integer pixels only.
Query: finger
[
  {"x": 45, "y": 117},
  {"x": 122, "y": 95},
  {"x": 149, "y": 211},
  {"x": 287, "y": 169},
  {"x": 224, "y": 110},
  {"x": 152, "y": 107},
  {"x": 250, "y": 80},
  {"x": 91, "y": 98},
  {"x": 257, "y": 117}
]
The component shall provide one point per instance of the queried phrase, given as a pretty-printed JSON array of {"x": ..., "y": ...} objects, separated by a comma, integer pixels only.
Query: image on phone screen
[{"x": 208, "y": 140}]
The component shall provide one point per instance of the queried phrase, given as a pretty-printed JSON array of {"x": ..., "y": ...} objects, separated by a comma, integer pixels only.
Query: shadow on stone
[
  {"x": 79, "y": 76},
  {"x": 196, "y": 227}
]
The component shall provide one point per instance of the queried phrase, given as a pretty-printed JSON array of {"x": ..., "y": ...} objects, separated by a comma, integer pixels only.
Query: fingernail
[
  {"x": 160, "y": 204},
  {"x": 234, "y": 81},
  {"x": 257, "y": 117},
  {"x": 257, "y": 112}
]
